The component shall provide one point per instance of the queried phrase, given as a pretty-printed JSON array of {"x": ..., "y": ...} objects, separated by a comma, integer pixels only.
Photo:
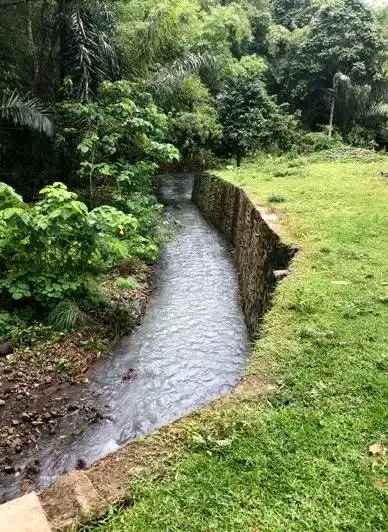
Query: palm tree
[
  {"x": 357, "y": 104},
  {"x": 25, "y": 111},
  {"x": 87, "y": 53},
  {"x": 340, "y": 81}
]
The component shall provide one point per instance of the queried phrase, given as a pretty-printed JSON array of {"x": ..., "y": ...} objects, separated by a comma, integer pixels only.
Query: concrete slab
[
  {"x": 72, "y": 497},
  {"x": 23, "y": 515}
]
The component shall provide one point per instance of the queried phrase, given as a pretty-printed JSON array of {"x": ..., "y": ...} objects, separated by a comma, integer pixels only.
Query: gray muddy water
[{"x": 190, "y": 348}]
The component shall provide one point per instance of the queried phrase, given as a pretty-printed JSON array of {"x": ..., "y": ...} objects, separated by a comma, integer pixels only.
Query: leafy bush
[
  {"x": 147, "y": 212},
  {"x": 119, "y": 138},
  {"x": 52, "y": 250},
  {"x": 144, "y": 208},
  {"x": 361, "y": 137},
  {"x": 250, "y": 117},
  {"x": 312, "y": 142},
  {"x": 7, "y": 324},
  {"x": 196, "y": 132}
]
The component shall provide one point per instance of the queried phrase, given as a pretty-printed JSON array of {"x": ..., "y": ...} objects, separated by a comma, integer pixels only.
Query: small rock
[
  {"x": 2, "y": 402},
  {"x": 280, "y": 274},
  {"x": 81, "y": 464},
  {"x": 377, "y": 449},
  {"x": 129, "y": 375},
  {"x": 6, "y": 349}
]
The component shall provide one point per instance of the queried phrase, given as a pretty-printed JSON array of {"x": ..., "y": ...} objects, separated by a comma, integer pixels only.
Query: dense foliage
[
  {"x": 54, "y": 248},
  {"x": 251, "y": 118},
  {"x": 96, "y": 96}
]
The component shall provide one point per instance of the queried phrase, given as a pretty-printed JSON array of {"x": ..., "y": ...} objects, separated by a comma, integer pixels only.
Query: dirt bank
[{"x": 43, "y": 384}]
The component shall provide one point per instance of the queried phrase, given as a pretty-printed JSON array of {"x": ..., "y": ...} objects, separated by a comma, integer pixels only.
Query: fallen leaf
[{"x": 380, "y": 484}]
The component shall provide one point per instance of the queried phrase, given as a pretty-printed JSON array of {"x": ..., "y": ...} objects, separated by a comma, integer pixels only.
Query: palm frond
[
  {"x": 169, "y": 77},
  {"x": 90, "y": 51},
  {"x": 25, "y": 111}
]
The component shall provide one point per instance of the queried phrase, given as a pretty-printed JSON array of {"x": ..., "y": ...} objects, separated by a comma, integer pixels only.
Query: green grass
[
  {"x": 300, "y": 460},
  {"x": 128, "y": 283}
]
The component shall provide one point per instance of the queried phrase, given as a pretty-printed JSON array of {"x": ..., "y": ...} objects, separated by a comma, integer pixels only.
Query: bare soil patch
[{"x": 44, "y": 390}]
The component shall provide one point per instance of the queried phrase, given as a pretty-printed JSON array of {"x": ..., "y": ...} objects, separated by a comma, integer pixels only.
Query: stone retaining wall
[
  {"x": 260, "y": 255},
  {"x": 261, "y": 259}
]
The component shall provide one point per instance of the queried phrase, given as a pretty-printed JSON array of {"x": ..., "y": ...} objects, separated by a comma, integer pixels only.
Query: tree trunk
[
  {"x": 32, "y": 46},
  {"x": 238, "y": 160},
  {"x": 332, "y": 109},
  {"x": 62, "y": 41}
]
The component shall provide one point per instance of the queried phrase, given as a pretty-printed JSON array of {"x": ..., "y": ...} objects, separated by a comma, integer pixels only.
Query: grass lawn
[{"x": 310, "y": 456}]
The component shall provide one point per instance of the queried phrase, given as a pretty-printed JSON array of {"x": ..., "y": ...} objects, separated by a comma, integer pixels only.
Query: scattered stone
[
  {"x": 33, "y": 468},
  {"x": 6, "y": 349},
  {"x": 78, "y": 494},
  {"x": 130, "y": 375},
  {"x": 2, "y": 402},
  {"x": 280, "y": 274},
  {"x": 81, "y": 464}
]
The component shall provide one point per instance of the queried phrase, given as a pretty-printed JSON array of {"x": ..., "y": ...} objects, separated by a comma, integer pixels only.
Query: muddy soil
[{"x": 44, "y": 393}]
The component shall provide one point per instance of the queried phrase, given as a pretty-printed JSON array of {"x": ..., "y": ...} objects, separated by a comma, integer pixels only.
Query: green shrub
[
  {"x": 276, "y": 198},
  {"x": 51, "y": 250},
  {"x": 119, "y": 138},
  {"x": 314, "y": 142},
  {"x": 7, "y": 324},
  {"x": 362, "y": 137},
  {"x": 196, "y": 132}
]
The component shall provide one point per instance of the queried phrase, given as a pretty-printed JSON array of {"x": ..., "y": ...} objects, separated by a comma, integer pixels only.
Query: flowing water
[{"x": 190, "y": 348}]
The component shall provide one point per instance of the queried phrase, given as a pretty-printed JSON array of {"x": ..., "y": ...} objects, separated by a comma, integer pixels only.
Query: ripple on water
[{"x": 191, "y": 347}]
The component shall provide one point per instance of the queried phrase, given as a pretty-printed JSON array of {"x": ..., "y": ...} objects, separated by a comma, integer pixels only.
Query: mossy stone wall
[{"x": 261, "y": 257}]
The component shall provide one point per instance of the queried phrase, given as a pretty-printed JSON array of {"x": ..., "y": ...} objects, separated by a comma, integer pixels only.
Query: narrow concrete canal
[{"x": 191, "y": 347}]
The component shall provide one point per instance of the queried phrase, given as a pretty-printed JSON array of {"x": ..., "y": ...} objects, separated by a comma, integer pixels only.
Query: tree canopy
[{"x": 100, "y": 95}]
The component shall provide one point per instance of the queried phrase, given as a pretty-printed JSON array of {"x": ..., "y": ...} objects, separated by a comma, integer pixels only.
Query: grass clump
[
  {"x": 276, "y": 198},
  {"x": 128, "y": 283},
  {"x": 66, "y": 316}
]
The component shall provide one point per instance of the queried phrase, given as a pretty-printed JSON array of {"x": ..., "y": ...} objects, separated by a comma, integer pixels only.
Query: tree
[
  {"x": 292, "y": 13},
  {"x": 343, "y": 37},
  {"x": 251, "y": 119}
]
